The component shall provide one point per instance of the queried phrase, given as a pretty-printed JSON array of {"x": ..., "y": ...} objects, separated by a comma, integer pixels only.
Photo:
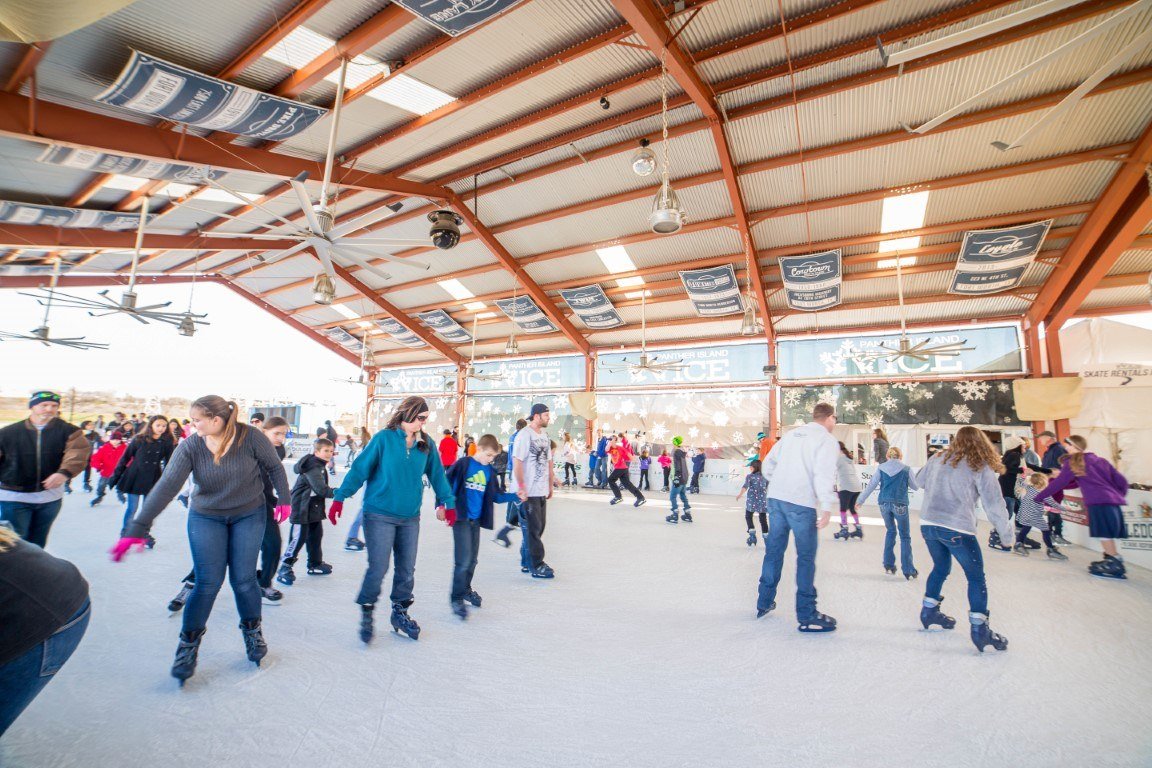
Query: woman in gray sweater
[
  {"x": 953, "y": 481},
  {"x": 226, "y": 519}
]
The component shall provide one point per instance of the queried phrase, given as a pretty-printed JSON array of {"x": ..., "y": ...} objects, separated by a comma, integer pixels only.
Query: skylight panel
[
  {"x": 475, "y": 305},
  {"x": 342, "y": 309},
  {"x": 299, "y": 47},
  {"x": 901, "y": 213},
  {"x": 411, "y": 95},
  {"x": 456, "y": 289},
  {"x": 616, "y": 259},
  {"x": 126, "y": 183},
  {"x": 630, "y": 282}
]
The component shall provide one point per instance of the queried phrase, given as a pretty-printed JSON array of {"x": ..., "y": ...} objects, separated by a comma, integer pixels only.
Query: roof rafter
[{"x": 26, "y": 66}]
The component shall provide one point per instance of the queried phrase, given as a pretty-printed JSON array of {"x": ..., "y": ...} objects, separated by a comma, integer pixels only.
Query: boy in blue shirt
[{"x": 474, "y": 484}]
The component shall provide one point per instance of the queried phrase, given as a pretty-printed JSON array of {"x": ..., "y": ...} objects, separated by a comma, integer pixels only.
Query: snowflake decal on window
[
  {"x": 659, "y": 432},
  {"x": 642, "y": 413},
  {"x": 737, "y": 437},
  {"x": 972, "y": 390},
  {"x": 486, "y": 407},
  {"x": 888, "y": 402},
  {"x": 848, "y": 406},
  {"x": 929, "y": 394},
  {"x": 693, "y": 432},
  {"x": 732, "y": 398},
  {"x": 911, "y": 411},
  {"x": 714, "y": 445},
  {"x": 874, "y": 420},
  {"x": 505, "y": 427},
  {"x": 1003, "y": 386},
  {"x": 792, "y": 397},
  {"x": 878, "y": 389},
  {"x": 961, "y": 413},
  {"x": 907, "y": 386},
  {"x": 720, "y": 418}
]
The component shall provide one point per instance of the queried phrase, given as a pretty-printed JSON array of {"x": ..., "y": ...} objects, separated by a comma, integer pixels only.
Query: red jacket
[
  {"x": 449, "y": 449},
  {"x": 107, "y": 457}
]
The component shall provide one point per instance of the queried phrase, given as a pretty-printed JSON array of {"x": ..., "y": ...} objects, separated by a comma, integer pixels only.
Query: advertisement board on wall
[
  {"x": 421, "y": 381},
  {"x": 537, "y": 374},
  {"x": 718, "y": 364}
]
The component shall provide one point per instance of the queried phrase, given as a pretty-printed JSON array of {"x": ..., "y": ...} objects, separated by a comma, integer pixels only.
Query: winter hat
[
  {"x": 1012, "y": 442},
  {"x": 43, "y": 396},
  {"x": 117, "y": 435},
  {"x": 677, "y": 441}
]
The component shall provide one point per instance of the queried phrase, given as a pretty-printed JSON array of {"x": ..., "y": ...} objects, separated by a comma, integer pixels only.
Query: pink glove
[
  {"x": 125, "y": 544},
  {"x": 335, "y": 511},
  {"x": 282, "y": 513}
]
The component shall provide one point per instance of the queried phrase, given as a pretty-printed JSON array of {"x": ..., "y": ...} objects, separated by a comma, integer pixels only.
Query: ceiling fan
[
  {"x": 470, "y": 370},
  {"x": 922, "y": 350},
  {"x": 645, "y": 362},
  {"x": 366, "y": 360},
  {"x": 41, "y": 334}
]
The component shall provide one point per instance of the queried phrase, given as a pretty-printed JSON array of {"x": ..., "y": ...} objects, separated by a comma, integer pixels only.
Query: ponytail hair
[
  {"x": 214, "y": 406},
  {"x": 1076, "y": 460}
]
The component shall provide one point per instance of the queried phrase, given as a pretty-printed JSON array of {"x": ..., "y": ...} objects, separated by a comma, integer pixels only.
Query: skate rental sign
[
  {"x": 719, "y": 364},
  {"x": 713, "y": 291},
  {"x": 68, "y": 218},
  {"x": 994, "y": 260},
  {"x": 152, "y": 86},
  {"x": 997, "y": 350},
  {"x": 455, "y": 17},
  {"x": 538, "y": 374},
  {"x": 812, "y": 282},
  {"x": 405, "y": 381},
  {"x": 105, "y": 162}
]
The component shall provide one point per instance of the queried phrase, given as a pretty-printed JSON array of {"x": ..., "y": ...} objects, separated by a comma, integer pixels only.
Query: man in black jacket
[{"x": 37, "y": 457}]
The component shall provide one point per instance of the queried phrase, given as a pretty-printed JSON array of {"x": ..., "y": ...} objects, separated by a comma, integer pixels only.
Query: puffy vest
[{"x": 31, "y": 455}]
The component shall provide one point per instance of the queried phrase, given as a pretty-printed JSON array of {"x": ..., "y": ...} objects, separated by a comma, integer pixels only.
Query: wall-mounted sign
[
  {"x": 444, "y": 326},
  {"x": 713, "y": 291},
  {"x": 455, "y": 17},
  {"x": 69, "y": 218},
  {"x": 435, "y": 379},
  {"x": 997, "y": 350},
  {"x": 540, "y": 374},
  {"x": 812, "y": 282},
  {"x": 718, "y": 364},
  {"x": 994, "y": 260},
  {"x": 1116, "y": 376},
  {"x": 153, "y": 86},
  {"x": 105, "y": 162},
  {"x": 398, "y": 332},
  {"x": 524, "y": 312},
  {"x": 592, "y": 306}
]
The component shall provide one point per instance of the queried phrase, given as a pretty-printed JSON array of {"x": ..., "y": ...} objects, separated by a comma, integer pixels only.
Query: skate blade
[
  {"x": 816, "y": 630},
  {"x": 1109, "y": 577}
]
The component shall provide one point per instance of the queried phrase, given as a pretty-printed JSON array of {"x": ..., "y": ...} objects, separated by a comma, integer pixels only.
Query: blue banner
[
  {"x": 344, "y": 339},
  {"x": 153, "y": 86},
  {"x": 524, "y": 312},
  {"x": 716, "y": 364},
  {"x": 537, "y": 374},
  {"x": 997, "y": 350},
  {"x": 435, "y": 379},
  {"x": 455, "y": 17},
  {"x": 104, "y": 162},
  {"x": 812, "y": 282},
  {"x": 994, "y": 260},
  {"x": 592, "y": 306},
  {"x": 713, "y": 291},
  {"x": 398, "y": 332},
  {"x": 69, "y": 218},
  {"x": 444, "y": 326}
]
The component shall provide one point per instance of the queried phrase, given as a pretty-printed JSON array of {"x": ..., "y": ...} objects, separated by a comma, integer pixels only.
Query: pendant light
[
  {"x": 644, "y": 161},
  {"x": 750, "y": 325},
  {"x": 667, "y": 217},
  {"x": 323, "y": 289},
  {"x": 512, "y": 348}
]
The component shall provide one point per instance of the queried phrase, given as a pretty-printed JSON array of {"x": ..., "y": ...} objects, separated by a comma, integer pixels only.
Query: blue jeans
[
  {"x": 943, "y": 545},
  {"x": 389, "y": 537},
  {"x": 22, "y": 679},
  {"x": 222, "y": 544},
  {"x": 31, "y": 521},
  {"x": 896, "y": 519},
  {"x": 134, "y": 502},
  {"x": 354, "y": 531},
  {"x": 784, "y": 516},
  {"x": 1012, "y": 504},
  {"x": 601, "y": 470},
  {"x": 679, "y": 491},
  {"x": 593, "y": 462},
  {"x": 466, "y": 548}
]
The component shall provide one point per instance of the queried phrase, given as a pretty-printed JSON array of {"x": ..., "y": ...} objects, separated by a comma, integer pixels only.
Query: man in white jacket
[{"x": 801, "y": 473}]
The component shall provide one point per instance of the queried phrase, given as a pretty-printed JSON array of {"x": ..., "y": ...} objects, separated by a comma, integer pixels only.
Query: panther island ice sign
[
  {"x": 812, "y": 282},
  {"x": 994, "y": 260},
  {"x": 457, "y": 16}
]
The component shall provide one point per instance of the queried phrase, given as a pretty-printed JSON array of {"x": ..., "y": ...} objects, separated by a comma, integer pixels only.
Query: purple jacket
[{"x": 1101, "y": 483}]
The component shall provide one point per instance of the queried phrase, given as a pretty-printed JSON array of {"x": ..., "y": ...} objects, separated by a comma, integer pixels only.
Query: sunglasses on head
[
  {"x": 422, "y": 417},
  {"x": 47, "y": 396}
]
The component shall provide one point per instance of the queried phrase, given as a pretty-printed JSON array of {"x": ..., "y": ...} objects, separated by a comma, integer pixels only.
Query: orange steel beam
[
  {"x": 1127, "y": 177},
  {"x": 42, "y": 237},
  {"x": 26, "y": 67},
  {"x": 303, "y": 11},
  {"x": 1127, "y": 309}
]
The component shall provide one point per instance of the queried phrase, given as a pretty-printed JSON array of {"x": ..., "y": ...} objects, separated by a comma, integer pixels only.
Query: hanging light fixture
[
  {"x": 667, "y": 217},
  {"x": 512, "y": 348},
  {"x": 187, "y": 326},
  {"x": 41, "y": 333},
  {"x": 750, "y": 325},
  {"x": 644, "y": 161},
  {"x": 323, "y": 289}
]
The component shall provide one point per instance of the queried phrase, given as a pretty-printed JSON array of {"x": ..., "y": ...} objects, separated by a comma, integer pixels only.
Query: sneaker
[
  {"x": 320, "y": 569},
  {"x": 640, "y": 502},
  {"x": 271, "y": 595},
  {"x": 354, "y": 545},
  {"x": 543, "y": 571}
]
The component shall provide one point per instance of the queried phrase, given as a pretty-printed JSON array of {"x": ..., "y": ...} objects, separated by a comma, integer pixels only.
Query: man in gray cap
[
  {"x": 37, "y": 457},
  {"x": 533, "y": 477}
]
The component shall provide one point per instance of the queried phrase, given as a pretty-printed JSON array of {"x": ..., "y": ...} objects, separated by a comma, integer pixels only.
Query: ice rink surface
[{"x": 644, "y": 651}]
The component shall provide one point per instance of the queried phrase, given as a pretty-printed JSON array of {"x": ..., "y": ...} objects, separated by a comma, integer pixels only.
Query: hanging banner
[
  {"x": 69, "y": 218},
  {"x": 400, "y": 333},
  {"x": 454, "y": 17},
  {"x": 156, "y": 87},
  {"x": 971, "y": 401},
  {"x": 1116, "y": 375},
  {"x": 592, "y": 306},
  {"x": 997, "y": 350},
  {"x": 540, "y": 374},
  {"x": 812, "y": 282},
  {"x": 344, "y": 339},
  {"x": 717, "y": 364},
  {"x": 994, "y": 260},
  {"x": 444, "y": 326},
  {"x": 713, "y": 291},
  {"x": 104, "y": 162},
  {"x": 428, "y": 380},
  {"x": 524, "y": 312}
]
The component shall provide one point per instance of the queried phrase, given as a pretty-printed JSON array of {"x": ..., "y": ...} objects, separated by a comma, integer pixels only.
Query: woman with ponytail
[
  {"x": 140, "y": 467},
  {"x": 226, "y": 520},
  {"x": 1104, "y": 491},
  {"x": 394, "y": 465}
]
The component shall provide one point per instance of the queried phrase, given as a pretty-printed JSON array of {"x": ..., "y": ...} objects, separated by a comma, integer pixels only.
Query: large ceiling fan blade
[
  {"x": 320, "y": 247},
  {"x": 241, "y": 236},
  {"x": 306, "y": 205},
  {"x": 384, "y": 242},
  {"x": 368, "y": 219},
  {"x": 347, "y": 244},
  {"x": 285, "y": 253},
  {"x": 252, "y": 203},
  {"x": 346, "y": 253}
]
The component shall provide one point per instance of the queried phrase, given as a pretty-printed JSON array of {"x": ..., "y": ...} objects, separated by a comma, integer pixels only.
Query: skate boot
[
  {"x": 890, "y": 570},
  {"x": 320, "y": 569},
  {"x": 931, "y": 614},
  {"x": 857, "y": 533},
  {"x": 177, "y": 603},
  {"x": 1055, "y": 554},
  {"x": 286, "y": 575},
  {"x": 640, "y": 502},
  {"x": 687, "y": 516},
  {"x": 460, "y": 609},
  {"x": 1031, "y": 543},
  {"x": 762, "y": 612},
  {"x": 473, "y": 598},
  {"x": 96, "y": 501},
  {"x": 911, "y": 574},
  {"x": 87, "y": 487},
  {"x": 982, "y": 634},
  {"x": 187, "y": 653},
  {"x": 254, "y": 643},
  {"x": 673, "y": 518},
  {"x": 615, "y": 501},
  {"x": 502, "y": 537},
  {"x": 842, "y": 533},
  {"x": 1059, "y": 540},
  {"x": 751, "y": 538},
  {"x": 367, "y": 630},
  {"x": 1020, "y": 549},
  {"x": 818, "y": 623},
  {"x": 150, "y": 543},
  {"x": 543, "y": 571},
  {"x": 402, "y": 622},
  {"x": 354, "y": 545},
  {"x": 1109, "y": 568},
  {"x": 271, "y": 595},
  {"x": 995, "y": 543}
]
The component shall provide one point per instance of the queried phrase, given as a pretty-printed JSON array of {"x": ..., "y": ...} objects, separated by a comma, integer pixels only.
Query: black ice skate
[
  {"x": 460, "y": 609},
  {"x": 271, "y": 595},
  {"x": 818, "y": 623},
  {"x": 762, "y": 612},
  {"x": 286, "y": 575},
  {"x": 367, "y": 630},
  {"x": 1059, "y": 540},
  {"x": 931, "y": 614},
  {"x": 687, "y": 516},
  {"x": 673, "y": 518},
  {"x": 473, "y": 598},
  {"x": 543, "y": 571},
  {"x": 320, "y": 569},
  {"x": 177, "y": 603},
  {"x": 995, "y": 543},
  {"x": 842, "y": 533},
  {"x": 857, "y": 533},
  {"x": 983, "y": 636},
  {"x": 1109, "y": 568},
  {"x": 640, "y": 502},
  {"x": 403, "y": 623},
  {"x": 354, "y": 545},
  {"x": 751, "y": 541},
  {"x": 1020, "y": 549},
  {"x": 1055, "y": 554},
  {"x": 911, "y": 574},
  {"x": 254, "y": 644},
  {"x": 501, "y": 537},
  {"x": 187, "y": 653},
  {"x": 890, "y": 569},
  {"x": 1031, "y": 543}
]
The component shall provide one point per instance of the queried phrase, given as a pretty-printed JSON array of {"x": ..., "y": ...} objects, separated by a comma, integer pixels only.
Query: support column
[
  {"x": 373, "y": 373},
  {"x": 1035, "y": 365},
  {"x": 589, "y": 386},
  {"x": 461, "y": 387},
  {"x": 1056, "y": 368}
]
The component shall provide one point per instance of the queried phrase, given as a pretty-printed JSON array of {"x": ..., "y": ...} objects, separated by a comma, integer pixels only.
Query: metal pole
[
  {"x": 336, "y": 111},
  {"x": 139, "y": 242}
]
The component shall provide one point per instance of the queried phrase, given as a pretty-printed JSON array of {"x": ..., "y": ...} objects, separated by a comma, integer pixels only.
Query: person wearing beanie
[
  {"x": 105, "y": 461},
  {"x": 679, "y": 482},
  {"x": 37, "y": 457}
]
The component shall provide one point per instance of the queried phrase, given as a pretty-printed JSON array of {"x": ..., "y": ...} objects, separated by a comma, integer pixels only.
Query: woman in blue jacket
[
  {"x": 894, "y": 478},
  {"x": 394, "y": 465}
]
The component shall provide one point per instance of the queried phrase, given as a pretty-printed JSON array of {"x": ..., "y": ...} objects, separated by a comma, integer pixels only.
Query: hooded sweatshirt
[
  {"x": 310, "y": 490},
  {"x": 1101, "y": 482},
  {"x": 894, "y": 478}
]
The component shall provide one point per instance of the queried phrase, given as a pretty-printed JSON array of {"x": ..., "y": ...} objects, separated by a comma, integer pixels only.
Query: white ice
[{"x": 644, "y": 651}]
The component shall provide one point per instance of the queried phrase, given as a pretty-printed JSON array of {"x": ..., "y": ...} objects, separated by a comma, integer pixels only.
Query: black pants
[
  {"x": 620, "y": 477},
  {"x": 269, "y": 551},
  {"x": 306, "y": 535},
  {"x": 763, "y": 520},
  {"x": 848, "y": 501},
  {"x": 569, "y": 467},
  {"x": 87, "y": 474},
  {"x": 645, "y": 482},
  {"x": 1022, "y": 532},
  {"x": 694, "y": 486},
  {"x": 667, "y": 472},
  {"x": 534, "y": 512},
  {"x": 466, "y": 547},
  {"x": 1056, "y": 523}
]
